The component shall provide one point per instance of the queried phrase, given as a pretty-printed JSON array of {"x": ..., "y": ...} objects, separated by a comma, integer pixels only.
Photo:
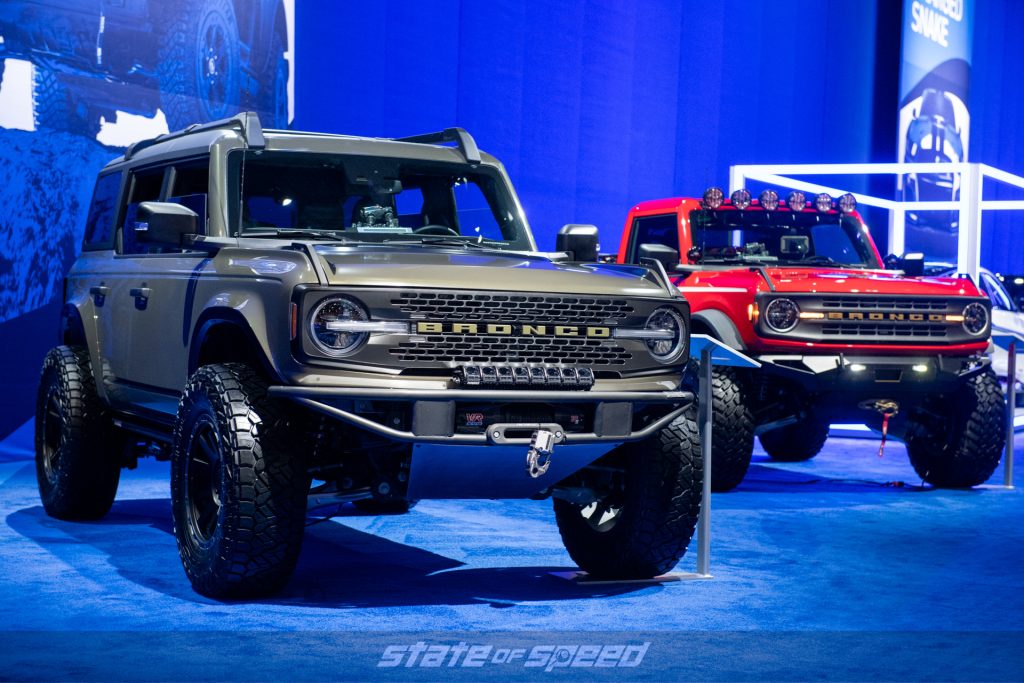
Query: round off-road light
[
  {"x": 847, "y": 203},
  {"x": 796, "y": 201},
  {"x": 713, "y": 198},
  {"x": 769, "y": 200},
  {"x": 781, "y": 315},
  {"x": 741, "y": 199},
  {"x": 327, "y": 315},
  {"x": 975, "y": 318},
  {"x": 670, "y": 348},
  {"x": 823, "y": 203}
]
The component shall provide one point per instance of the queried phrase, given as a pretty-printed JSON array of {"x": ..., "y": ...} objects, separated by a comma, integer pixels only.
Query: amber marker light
[
  {"x": 811, "y": 315},
  {"x": 752, "y": 312},
  {"x": 953, "y": 318},
  {"x": 295, "y": 320}
]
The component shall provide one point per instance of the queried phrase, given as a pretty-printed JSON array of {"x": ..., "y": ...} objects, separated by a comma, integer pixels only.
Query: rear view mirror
[
  {"x": 579, "y": 241},
  {"x": 666, "y": 255},
  {"x": 164, "y": 223}
]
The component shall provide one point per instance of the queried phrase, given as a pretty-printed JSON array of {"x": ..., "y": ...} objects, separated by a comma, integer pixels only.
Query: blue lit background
[{"x": 593, "y": 106}]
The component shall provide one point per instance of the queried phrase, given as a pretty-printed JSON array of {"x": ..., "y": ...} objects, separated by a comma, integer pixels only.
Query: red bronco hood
[{"x": 853, "y": 281}]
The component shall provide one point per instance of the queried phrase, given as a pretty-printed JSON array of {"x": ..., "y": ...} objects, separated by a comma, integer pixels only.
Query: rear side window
[
  {"x": 662, "y": 229},
  {"x": 99, "y": 226}
]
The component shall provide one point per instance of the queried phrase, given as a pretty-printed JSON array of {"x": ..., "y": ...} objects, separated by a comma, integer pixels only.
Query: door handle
[
  {"x": 141, "y": 296},
  {"x": 98, "y": 294}
]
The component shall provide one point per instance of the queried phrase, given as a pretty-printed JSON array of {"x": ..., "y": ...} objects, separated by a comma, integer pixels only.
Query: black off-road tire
[
  {"x": 78, "y": 450},
  {"x": 196, "y": 34},
  {"x": 732, "y": 436},
  {"x": 963, "y": 448},
  {"x": 796, "y": 442},
  {"x": 238, "y": 485},
  {"x": 658, "y": 505},
  {"x": 54, "y": 109}
]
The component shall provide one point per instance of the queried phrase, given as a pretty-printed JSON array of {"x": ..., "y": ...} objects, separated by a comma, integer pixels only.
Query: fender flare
[
  {"x": 722, "y": 327},
  {"x": 215, "y": 317}
]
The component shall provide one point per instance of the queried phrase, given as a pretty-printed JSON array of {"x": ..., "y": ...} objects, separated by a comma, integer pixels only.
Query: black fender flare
[{"x": 213, "y": 318}]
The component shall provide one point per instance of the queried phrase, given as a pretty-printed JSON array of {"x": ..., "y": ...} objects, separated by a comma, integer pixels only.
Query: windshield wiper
[
  {"x": 821, "y": 259},
  {"x": 301, "y": 233},
  {"x": 440, "y": 240}
]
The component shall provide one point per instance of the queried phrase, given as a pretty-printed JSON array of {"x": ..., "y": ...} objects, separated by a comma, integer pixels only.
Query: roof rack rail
[
  {"x": 467, "y": 145},
  {"x": 248, "y": 123}
]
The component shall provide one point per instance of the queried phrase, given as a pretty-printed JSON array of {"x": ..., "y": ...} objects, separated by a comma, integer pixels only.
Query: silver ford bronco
[{"x": 300, "y": 320}]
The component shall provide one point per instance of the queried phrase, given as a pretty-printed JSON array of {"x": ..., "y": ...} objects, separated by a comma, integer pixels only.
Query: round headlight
[
  {"x": 713, "y": 198},
  {"x": 740, "y": 199},
  {"x": 847, "y": 203},
  {"x": 782, "y": 315},
  {"x": 796, "y": 201},
  {"x": 823, "y": 202},
  {"x": 327, "y": 315},
  {"x": 670, "y": 344},
  {"x": 975, "y": 318},
  {"x": 769, "y": 200}
]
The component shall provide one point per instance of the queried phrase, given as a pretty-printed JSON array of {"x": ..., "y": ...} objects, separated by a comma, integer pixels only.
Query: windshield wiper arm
[
  {"x": 441, "y": 241},
  {"x": 300, "y": 233}
]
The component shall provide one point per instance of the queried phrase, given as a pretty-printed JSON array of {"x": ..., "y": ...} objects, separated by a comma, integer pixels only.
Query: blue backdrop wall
[{"x": 593, "y": 105}]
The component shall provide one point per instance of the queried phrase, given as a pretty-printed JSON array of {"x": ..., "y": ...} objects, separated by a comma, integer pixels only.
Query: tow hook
[
  {"x": 888, "y": 409},
  {"x": 538, "y": 458}
]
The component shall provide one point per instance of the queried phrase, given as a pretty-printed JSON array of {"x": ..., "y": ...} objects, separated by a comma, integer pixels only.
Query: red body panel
[{"x": 733, "y": 290}]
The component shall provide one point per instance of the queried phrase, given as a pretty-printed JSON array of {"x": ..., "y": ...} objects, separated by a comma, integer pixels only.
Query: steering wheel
[{"x": 434, "y": 229}]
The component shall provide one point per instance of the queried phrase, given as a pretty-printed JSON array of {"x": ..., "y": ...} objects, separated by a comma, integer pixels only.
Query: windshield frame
[
  {"x": 500, "y": 198},
  {"x": 856, "y": 231}
]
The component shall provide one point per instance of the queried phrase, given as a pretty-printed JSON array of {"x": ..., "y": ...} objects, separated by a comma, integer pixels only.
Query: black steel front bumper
[
  {"x": 818, "y": 374},
  {"x": 433, "y": 412}
]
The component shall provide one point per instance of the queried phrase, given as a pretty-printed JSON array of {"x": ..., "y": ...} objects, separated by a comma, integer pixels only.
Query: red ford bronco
[{"x": 801, "y": 287}]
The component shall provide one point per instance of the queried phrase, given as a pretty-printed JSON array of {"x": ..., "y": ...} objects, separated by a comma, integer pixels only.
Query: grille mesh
[
  {"x": 507, "y": 349},
  {"x": 502, "y": 308},
  {"x": 874, "y": 329}
]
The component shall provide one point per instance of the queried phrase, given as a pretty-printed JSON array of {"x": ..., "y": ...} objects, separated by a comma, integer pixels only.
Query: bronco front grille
[
  {"x": 885, "y": 330},
  {"x": 508, "y": 349},
  {"x": 505, "y": 308}
]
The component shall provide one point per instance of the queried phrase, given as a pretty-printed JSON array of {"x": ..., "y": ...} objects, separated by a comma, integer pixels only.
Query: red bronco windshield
[{"x": 780, "y": 238}]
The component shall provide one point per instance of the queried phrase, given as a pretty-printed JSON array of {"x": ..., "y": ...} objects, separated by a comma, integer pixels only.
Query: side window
[
  {"x": 189, "y": 188},
  {"x": 146, "y": 186},
  {"x": 99, "y": 225},
  {"x": 663, "y": 229},
  {"x": 994, "y": 292}
]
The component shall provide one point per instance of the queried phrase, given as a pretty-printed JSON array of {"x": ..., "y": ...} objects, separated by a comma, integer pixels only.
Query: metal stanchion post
[
  {"x": 1011, "y": 409},
  {"x": 704, "y": 532}
]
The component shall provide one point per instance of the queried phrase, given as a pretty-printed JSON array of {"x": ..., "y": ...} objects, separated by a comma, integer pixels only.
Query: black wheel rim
[
  {"x": 214, "y": 67},
  {"x": 203, "y": 479},
  {"x": 52, "y": 423}
]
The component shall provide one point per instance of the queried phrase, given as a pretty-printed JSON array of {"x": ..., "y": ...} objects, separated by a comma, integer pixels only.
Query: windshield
[
  {"x": 373, "y": 199},
  {"x": 783, "y": 238}
]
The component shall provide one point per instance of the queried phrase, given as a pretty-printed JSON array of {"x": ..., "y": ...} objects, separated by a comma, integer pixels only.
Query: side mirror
[
  {"x": 668, "y": 256},
  {"x": 579, "y": 241},
  {"x": 911, "y": 263},
  {"x": 164, "y": 223}
]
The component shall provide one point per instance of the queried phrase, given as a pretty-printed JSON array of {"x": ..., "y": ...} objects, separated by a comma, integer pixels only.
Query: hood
[
  {"x": 843, "y": 281},
  {"x": 431, "y": 267}
]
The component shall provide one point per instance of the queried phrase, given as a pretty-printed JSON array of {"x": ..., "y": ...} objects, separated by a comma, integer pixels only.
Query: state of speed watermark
[{"x": 548, "y": 657}]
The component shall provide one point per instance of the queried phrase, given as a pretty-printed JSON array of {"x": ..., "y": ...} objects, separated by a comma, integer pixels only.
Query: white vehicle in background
[{"x": 1007, "y": 318}]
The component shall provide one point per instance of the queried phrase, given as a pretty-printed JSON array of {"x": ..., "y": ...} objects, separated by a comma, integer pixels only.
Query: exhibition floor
[{"x": 820, "y": 571}]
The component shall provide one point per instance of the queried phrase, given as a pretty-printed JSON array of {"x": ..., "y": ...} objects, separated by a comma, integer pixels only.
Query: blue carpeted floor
[{"x": 820, "y": 571}]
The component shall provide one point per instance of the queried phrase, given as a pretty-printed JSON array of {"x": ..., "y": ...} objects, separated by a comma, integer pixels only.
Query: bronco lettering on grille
[
  {"x": 910, "y": 317},
  {"x": 506, "y": 329}
]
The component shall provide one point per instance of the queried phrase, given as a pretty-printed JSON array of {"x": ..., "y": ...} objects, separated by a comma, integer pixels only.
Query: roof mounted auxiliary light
[
  {"x": 713, "y": 198},
  {"x": 769, "y": 200},
  {"x": 823, "y": 203},
  {"x": 796, "y": 201},
  {"x": 740, "y": 199},
  {"x": 847, "y": 203}
]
